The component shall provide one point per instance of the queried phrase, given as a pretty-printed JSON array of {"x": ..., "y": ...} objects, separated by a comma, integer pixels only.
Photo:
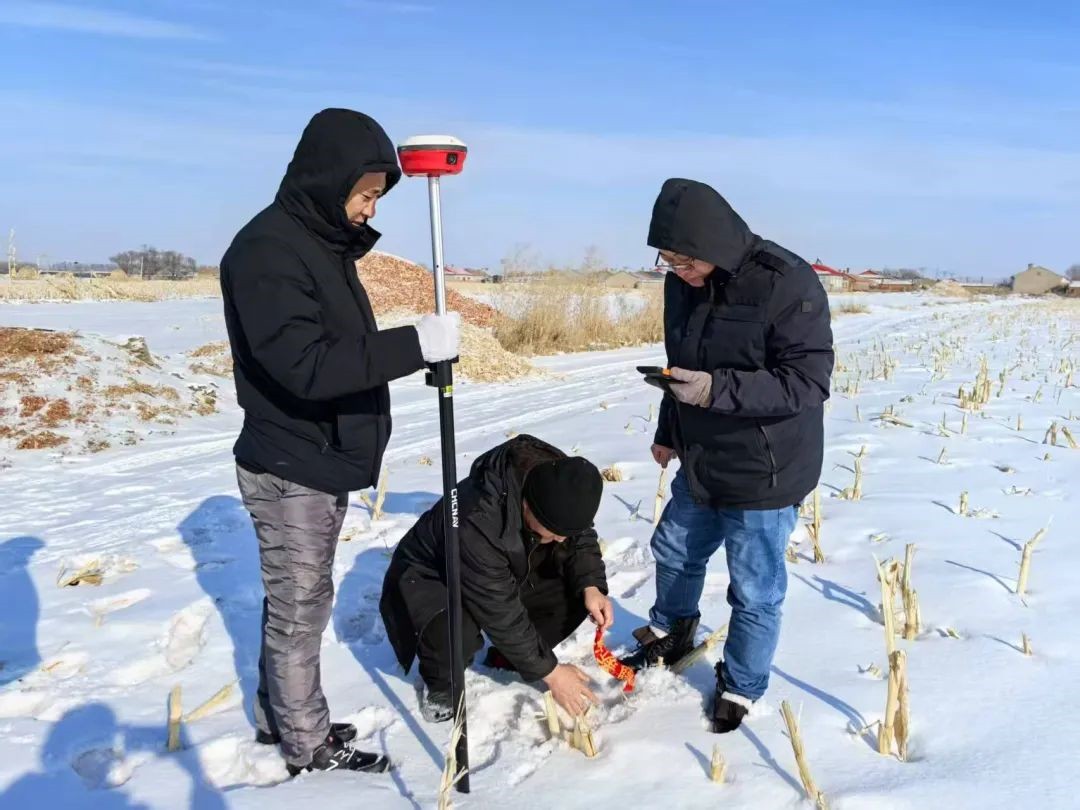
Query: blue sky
[{"x": 929, "y": 134}]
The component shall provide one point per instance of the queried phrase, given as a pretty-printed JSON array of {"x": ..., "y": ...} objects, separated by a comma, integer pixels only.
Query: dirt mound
[
  {"x": 483, "y": 359},
  {"x": 950, "y": 289},
  {"x": 395, "y": 285}
]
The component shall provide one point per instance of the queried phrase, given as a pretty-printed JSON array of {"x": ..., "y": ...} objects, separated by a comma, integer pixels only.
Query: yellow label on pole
[{"x": 448, "y": 391}]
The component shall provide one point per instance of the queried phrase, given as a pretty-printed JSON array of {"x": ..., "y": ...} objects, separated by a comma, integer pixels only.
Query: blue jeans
[{"x": 687, "y": 536}]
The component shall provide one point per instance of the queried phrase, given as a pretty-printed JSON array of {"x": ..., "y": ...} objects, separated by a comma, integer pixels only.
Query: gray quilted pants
[{"x": 298, "y": 532}]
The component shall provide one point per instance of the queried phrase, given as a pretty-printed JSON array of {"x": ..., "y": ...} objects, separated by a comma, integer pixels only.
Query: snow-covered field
[{"x": 86, "y": 670}]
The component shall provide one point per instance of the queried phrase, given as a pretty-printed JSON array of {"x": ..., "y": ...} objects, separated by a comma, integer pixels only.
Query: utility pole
[{"x": 11, "y": 256}]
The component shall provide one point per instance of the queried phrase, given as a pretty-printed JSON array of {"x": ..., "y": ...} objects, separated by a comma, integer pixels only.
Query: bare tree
[
  {"x": 520, "y": 259},
  {"x": 149, "y": 262},
  {"x": 593, "y": 262},
  {"x": 1073, "y": 273}
]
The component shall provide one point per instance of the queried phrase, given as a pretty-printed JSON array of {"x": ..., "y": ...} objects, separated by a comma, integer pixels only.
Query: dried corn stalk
[
  {"x": 717, "y": 766},
  {"x": 894, "y": 728},
  {"x": 1069, "y": 438},
  {"x": 175, "y": 714},
  {"x": 1025, "y": 643},
  {"x": 450, "y": 776},
  {"x": 695, "y": 655},
  {"x": 582, "y": 738},
  {"x": 1025, "y": 562},
  {"x": 963, "y": 504},
  {"x": 90, "y": 573},
  {"x": 1051, "y": 434},
  {"x": 912, "y": 619},
  {"x": 941, "y": 459},
  {"x": 215, "y": 700},
  {"x": 376, "y": 507},
  {"x": 811, "y": 789},
  {"x": 612, "y": 474},
  {"x": 551, "y": 713},
  {"x": 888, "y": 574},
  {"x": 658, "y": 507}
]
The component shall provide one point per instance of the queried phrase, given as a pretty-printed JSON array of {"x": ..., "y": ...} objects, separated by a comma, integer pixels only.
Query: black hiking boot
[
  {"x": 728, "y": 709},
  {"x": 343, "y": 732},
  {"x": 335, "y": 755},
  {"x": 651, "y": 649},
  {"x": 436, "y": 706}
]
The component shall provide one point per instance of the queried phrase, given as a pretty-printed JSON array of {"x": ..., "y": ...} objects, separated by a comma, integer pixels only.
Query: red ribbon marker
[{"x": 607, "y": 661}]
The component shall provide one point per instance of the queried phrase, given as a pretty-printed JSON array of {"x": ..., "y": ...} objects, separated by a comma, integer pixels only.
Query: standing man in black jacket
[
  {"x": 311, "y": 369},
  {"x": 531, "y": 572},
  {"x": 748, "y": 337}
]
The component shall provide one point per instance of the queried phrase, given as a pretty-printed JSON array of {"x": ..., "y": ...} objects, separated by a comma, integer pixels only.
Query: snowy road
[{"x": 87, "y": 669}]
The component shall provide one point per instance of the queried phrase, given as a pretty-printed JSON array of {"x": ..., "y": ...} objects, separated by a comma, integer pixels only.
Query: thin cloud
[
  {"x": 391, "y": 6},
  {"x": 58, "y": 17},
  {"x": 235, "y": 70}
]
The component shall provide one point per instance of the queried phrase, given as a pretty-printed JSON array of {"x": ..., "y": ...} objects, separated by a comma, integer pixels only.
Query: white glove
[
  {"x": 439, "y": 336},
  {"x": 693, "y": 387}
]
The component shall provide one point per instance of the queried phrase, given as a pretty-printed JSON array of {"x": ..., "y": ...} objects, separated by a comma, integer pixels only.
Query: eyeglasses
[{"x": 682, "y": 263}]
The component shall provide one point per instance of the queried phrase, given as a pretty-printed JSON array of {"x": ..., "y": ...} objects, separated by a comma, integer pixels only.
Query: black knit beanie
[{"x": 564, "y": 494}]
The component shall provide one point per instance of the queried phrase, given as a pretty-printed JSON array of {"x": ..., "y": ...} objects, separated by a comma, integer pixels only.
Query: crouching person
[
  {"x": 531, "y": 573},
  {"x": 746, "y": 328}
]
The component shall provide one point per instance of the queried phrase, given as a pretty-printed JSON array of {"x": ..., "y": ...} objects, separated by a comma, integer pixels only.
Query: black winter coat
[
  {"x": 309, "y": 361},
  {"x": 496, "y": 556},
  {"x": 761, "y": 326}
]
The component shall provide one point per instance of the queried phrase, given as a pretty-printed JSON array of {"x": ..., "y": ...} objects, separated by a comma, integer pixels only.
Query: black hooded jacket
[
  {"x": 496, "y": 559},
  {"x": 310, "y": 364},
  {"x": 761, "y": 326}
]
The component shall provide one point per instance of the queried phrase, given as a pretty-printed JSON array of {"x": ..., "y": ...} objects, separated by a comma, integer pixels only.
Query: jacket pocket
[
  {"x": 735, "y": 338},
  {"x": 726, "y": 459}
]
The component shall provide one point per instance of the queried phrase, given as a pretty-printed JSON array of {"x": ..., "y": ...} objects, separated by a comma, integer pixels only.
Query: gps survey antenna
[{"x": 433, "y": 156}]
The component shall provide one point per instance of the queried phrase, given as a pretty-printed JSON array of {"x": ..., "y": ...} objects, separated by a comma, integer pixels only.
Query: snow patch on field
[{"x": 85, "y": 670}]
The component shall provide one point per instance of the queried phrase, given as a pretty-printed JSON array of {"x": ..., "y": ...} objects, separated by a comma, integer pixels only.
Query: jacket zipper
[
  {"x": 772, "y": 458},
  {"x": 528, "y": 563}
]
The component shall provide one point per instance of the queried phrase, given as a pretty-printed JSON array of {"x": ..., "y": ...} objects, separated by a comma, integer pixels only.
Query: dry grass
[
  {"x": 213, "y": 359},
  {"x": 48, "y": 351},
  {"x": 549, "y": 318},
  {"x": 851, "y": 308},
  {"x": 43, "y": 440},
  {"x": 107, "y": 289}
]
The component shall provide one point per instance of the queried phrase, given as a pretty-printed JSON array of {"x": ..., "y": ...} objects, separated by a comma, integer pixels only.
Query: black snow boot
[
  {"x": 728, "y": 709},
  {"x": 344, "y": 732},
  {"x": 335, "y": 755},
  {"x": 436, "y": 706},
  {"x": 677, "y": 643}
]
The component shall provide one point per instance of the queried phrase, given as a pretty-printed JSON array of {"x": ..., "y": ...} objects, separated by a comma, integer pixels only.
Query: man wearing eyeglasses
[{"x": 748, "y": 339}]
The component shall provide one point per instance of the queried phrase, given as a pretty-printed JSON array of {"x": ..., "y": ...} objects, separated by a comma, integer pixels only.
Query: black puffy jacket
[
  {"x": 761, "y": 326},
  {"x": 310, "y": 364},
  {"x": 495, "y": 561}
]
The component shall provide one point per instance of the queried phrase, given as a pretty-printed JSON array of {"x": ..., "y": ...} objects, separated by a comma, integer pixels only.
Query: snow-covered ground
[{"x": 86, "y": 670}]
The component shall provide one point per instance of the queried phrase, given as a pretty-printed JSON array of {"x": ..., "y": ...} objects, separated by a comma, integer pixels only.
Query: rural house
[
  {"x": 621, "y": 279},
  {"x": 647, "y": 278},
  {"x": 1038, "y": 280},
  {"x": 831, "y": 279},
  {"x": 465, "y": 274}
]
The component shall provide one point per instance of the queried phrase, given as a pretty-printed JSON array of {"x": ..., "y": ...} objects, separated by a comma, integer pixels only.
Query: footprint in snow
[
  {"x": 99, "y": 608},
  {"x": 181, "y": 642},
  {"x": 234, "y": 761}
]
